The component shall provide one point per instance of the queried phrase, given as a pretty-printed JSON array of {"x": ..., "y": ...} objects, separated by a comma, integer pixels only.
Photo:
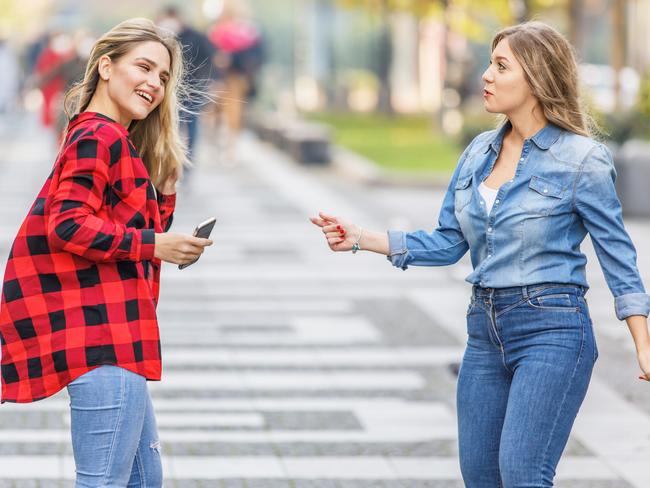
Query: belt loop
[{"x": 524, "y": 292}]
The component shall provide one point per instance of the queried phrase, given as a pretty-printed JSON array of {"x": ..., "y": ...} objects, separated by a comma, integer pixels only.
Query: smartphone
[{"x": 202, "y": 230}]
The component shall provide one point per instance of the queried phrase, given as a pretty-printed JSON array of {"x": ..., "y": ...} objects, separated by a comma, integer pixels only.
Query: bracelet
[{"x": 356, "y": 247}]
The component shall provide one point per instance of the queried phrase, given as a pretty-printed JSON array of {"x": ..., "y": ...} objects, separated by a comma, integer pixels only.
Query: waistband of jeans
[{"x": 524, "y": 291}]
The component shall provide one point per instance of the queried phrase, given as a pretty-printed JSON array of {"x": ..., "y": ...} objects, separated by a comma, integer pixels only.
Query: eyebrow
[
  {"x": 501, "y": 58},
  {"x": 153, "y": 63}
]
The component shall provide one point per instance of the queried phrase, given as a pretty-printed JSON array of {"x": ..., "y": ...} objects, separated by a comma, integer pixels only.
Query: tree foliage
[{"x": 475, "y": 19}]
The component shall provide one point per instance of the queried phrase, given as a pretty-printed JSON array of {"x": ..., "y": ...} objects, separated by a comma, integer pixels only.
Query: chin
[
  {"x": 139, "y": 114},
  {"x": 488, "y": 109}
]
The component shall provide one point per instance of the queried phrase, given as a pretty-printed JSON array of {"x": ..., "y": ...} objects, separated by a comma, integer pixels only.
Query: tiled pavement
[{"x": 289, "y": 366}]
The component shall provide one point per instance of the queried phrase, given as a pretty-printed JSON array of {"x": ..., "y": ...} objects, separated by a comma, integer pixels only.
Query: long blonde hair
[
  {"x": 156, "y": 137},
  {"x": 551, "y": 70}
]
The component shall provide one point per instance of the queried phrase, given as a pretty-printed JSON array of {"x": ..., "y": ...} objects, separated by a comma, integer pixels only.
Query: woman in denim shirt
[{"x": 521, "y": 200}]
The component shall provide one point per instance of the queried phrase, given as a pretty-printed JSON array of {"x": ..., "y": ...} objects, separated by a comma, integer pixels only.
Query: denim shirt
[{"x": 563, "y": 188}]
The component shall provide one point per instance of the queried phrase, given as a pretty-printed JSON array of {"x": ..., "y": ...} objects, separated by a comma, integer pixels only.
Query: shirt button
[
  {"x": 497, "y": 201},
  {"x": 511, "y": 181},
  {"x": 489, "y": 256},
  {"x": 545, "y": 190},
  {"x": 489, "y": 229},
  {"x": 482, "y": 202},
  {"x": 521, "y": 159}
]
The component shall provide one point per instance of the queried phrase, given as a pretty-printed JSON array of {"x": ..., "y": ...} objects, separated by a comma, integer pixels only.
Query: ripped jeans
[{"x": 114, "y": 433}]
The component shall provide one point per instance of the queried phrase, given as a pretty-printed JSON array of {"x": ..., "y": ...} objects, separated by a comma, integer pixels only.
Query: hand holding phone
[{"x": 202, "y": 230}]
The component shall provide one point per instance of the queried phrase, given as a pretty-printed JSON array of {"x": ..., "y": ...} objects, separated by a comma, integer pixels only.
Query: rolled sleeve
[
  {"x": 397, "y": 251},
  {"x": 598, "y": 206},
  {"x": 632, "y": 304}
]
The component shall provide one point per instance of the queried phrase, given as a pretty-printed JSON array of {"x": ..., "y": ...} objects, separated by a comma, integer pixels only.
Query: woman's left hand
[
  {"x": 644, "y": 362},
  {"x": 169, "y": 185}
]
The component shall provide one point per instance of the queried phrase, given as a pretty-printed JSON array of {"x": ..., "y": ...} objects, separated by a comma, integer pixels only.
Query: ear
[{"x": 104, "y": 67}]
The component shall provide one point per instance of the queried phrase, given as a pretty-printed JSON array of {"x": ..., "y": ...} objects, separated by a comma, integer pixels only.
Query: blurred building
[{"x": 638, "y": 35}]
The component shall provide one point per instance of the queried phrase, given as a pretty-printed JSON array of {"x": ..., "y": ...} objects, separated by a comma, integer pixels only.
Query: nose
[
  {"x": 487, "y": 75},
  {"x": 154, "y": 82}
]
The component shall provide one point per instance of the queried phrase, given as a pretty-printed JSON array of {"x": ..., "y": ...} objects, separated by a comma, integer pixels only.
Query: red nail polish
[{"x": 338, "y": 227}]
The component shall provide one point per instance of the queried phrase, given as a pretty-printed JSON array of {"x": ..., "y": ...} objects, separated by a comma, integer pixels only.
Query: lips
[{"x": 487, "y": 92}]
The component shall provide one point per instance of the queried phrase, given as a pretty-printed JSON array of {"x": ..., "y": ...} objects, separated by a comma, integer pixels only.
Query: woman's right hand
[
  {"x": 179, "y": 248},
  {"x": 340, "y": 235}
]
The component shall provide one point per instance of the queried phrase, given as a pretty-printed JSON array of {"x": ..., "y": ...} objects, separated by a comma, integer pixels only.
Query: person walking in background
[
  {"x": 240, "y": 56},
  {"x": 521, "y": 200},
  {"x": 82, "y": 279},
  {"x": 199, "y": 54},
  {"x": 58, "y": 50},
  {"x": 70, "y": 70}
]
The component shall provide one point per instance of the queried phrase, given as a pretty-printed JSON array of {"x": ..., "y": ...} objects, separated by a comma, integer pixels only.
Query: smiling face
[
  {"x": 506, "y": 89},
  {"x": 135, "y": 82}
]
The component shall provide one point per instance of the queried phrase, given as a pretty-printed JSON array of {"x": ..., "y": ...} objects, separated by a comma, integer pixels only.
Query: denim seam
[
  {"x": 510, "y": 307},
  {"x": 580, "y": 172},
  {"x": 143, "y": 481},
  {"x": 119, "y": 420},
  {"x": 566, "y": 393}
]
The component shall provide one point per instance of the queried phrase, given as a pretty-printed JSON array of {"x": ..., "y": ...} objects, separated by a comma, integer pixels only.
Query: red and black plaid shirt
[{"x": 81, "y": 283}]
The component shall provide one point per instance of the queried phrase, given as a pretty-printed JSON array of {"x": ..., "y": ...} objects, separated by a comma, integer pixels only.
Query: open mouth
[{"x": 145, "y": 96}]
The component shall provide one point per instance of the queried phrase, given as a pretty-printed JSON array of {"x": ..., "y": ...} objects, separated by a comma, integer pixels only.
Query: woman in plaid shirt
[{"x": 81, "y": 282}]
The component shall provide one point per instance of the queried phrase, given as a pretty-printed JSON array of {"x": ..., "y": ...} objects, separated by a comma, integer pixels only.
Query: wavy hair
[
  {"x": 157, "y": 136},
  {"x": 551, "y": 70}
]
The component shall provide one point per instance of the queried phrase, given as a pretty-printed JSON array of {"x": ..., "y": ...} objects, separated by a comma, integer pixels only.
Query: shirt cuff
[
  {"x": 147, "y": 244},
  {"x": 167, "y": 200},
  {"x": 397, "y": 252},
  {"x": 632, "y": 304}
]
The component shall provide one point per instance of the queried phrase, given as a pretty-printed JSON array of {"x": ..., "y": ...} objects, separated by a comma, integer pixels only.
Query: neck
[
  {"x": 101, "y": 103},
  {"x": 526, "y": 123}
]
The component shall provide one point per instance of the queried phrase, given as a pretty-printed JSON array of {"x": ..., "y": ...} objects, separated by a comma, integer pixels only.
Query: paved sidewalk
[{"x": 289, "y": 366}]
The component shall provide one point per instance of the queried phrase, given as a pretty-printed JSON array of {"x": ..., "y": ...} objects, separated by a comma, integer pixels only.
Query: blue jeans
[
  {"x": 529, "y": 357},
  {"x": 114, "y": 434}
]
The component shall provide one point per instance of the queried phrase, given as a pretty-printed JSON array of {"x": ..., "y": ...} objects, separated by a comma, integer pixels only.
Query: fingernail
[{"x": 338, "y": 227}]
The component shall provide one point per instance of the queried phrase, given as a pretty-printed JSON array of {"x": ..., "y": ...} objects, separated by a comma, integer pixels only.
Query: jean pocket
[
  {"x": 462, "y": 193},
  {"x": 542, "y": 196},
  {"x": 470, "y": 307},
  {"x": 556, "y": 301}
]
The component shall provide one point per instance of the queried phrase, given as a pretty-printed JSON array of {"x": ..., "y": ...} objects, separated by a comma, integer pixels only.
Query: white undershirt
[{"x": 489, "y": 195}]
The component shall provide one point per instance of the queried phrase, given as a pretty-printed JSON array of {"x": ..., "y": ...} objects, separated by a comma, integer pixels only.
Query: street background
[{"x": 286, "y": 365}]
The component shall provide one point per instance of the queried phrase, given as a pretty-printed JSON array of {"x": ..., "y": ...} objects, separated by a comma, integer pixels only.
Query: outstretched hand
[{"x": 340, "y": 235}]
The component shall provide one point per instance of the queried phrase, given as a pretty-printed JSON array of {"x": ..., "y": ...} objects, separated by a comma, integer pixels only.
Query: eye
[
  {"x": 144, "y": 67},
  {"x": 163, "y": 81},
  {"x": 501, "y": 67}
]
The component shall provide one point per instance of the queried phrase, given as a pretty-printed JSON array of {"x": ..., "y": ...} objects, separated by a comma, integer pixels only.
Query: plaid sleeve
[
  {"x": 166, "y": 204},
  {"x": 74, "y": 224}
]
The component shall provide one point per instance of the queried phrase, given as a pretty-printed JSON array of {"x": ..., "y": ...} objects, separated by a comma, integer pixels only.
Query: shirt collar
[
  {"x": 84, "y": 116},
  {"x": 543, "y": 139}
]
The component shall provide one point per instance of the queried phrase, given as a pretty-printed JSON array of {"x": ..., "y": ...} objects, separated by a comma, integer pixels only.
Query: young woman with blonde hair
[
  {"x": 81, "y": 283},
  {"x": 521, "y": 200}
]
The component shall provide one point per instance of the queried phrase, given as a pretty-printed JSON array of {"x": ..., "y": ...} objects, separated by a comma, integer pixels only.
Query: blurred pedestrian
[
  {"x": 81, "y": 283},
  {"x": 240, "y": 56},
  {"x": 58, "y": 50},
  {"x": 69, "y": 70},
  {"x": 198, "y": 53},
  {"x": 522, "y": 199}
]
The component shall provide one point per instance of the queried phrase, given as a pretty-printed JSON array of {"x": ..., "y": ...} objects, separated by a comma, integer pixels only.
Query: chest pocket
[
  {"x": 542, "y": 196},
  {"x": 462, "y": 193}
]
